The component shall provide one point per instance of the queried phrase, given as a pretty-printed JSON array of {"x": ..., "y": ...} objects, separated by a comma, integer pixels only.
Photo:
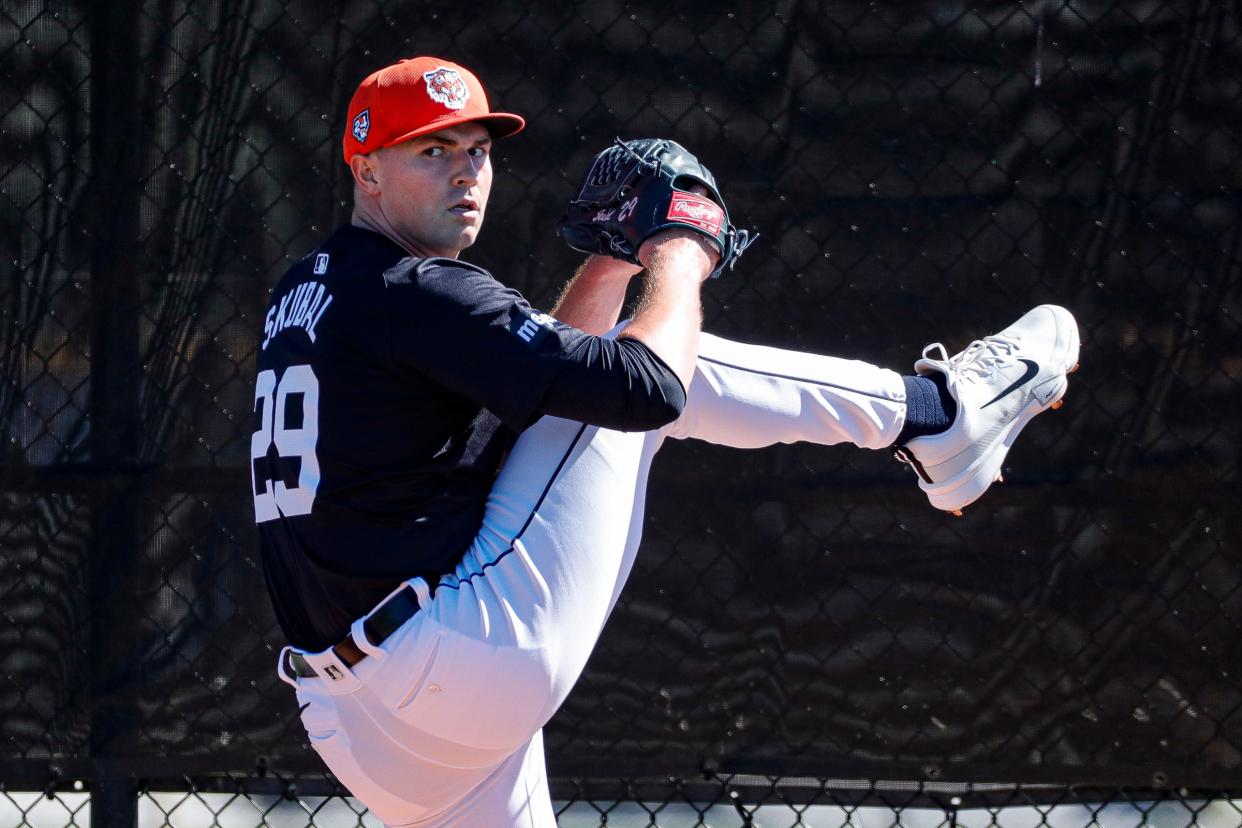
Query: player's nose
[{"x": 467, "y": 172}]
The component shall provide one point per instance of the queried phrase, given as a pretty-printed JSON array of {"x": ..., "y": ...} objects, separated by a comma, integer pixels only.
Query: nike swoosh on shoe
[{"x": 1032, "y": 368}]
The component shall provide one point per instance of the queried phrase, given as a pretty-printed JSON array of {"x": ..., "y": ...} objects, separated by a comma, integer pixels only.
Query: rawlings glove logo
[{"x": 693, "y": 209}]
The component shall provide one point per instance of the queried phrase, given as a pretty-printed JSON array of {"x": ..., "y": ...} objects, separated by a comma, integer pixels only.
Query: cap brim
[
  {"x": 503, "y": 124},
  {"x": 498, "y": 125}
]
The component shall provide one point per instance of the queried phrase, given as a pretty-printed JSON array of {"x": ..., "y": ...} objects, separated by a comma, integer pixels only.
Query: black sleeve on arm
[
  {"x": 619, "y": 384},
  {"x": 453, "y": 323}
]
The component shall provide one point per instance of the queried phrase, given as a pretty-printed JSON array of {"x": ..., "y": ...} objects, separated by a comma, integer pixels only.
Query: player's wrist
[{"x": 681, "y": 250}]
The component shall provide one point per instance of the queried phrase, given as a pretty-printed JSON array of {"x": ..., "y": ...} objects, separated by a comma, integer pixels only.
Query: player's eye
[
  {"x": 479, "y": 152},
  {"x": 433, "y": 152}
]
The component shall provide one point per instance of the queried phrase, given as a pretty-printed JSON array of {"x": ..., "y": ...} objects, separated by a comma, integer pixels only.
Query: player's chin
[{"x": 466, "y": 237}]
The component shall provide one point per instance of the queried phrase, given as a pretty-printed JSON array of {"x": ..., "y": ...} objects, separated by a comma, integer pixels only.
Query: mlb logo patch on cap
[{"x": 362, "y": 125}]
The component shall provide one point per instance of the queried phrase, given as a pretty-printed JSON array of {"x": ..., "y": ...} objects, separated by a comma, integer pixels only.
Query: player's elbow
[
  {"x": 661, "y": 403},
  {"x": 656, "y": 396}
]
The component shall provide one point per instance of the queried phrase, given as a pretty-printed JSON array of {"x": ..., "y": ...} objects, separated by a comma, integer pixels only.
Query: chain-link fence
[
  {"x": 798, "y": 617},
  {"x": 797, "y": 803}
]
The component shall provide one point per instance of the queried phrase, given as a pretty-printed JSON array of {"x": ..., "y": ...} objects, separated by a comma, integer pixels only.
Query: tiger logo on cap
[{"x": 445, "y": 86}]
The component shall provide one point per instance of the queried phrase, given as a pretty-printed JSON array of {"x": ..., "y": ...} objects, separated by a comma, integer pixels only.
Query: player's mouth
[{"x": 466, "y": 208}]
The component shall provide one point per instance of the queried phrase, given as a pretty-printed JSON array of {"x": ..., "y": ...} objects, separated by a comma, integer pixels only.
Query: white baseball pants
[{"x": 441, "y": 724}]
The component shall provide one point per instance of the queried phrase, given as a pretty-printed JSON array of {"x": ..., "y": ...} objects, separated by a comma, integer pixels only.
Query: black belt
[{"x": 385, "y": 620}]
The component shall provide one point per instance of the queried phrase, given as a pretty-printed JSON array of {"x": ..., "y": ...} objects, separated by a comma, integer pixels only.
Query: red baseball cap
[{"x": 416, "y": 96}]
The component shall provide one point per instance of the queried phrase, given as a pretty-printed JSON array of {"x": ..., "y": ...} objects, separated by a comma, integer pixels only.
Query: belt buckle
[{"x": 338, "y": 678}]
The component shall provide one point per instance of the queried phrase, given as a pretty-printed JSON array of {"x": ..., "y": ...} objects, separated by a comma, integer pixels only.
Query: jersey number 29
[{"x": 272, "y": 498}]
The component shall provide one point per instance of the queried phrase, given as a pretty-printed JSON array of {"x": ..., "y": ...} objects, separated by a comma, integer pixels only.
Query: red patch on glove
[{"x": 694, "y": 209}]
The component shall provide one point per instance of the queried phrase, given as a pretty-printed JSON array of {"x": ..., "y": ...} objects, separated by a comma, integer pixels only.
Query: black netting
[{"x": 799, "y": 614}]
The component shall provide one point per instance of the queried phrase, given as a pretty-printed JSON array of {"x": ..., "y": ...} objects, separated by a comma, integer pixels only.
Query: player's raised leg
[{"x": 750, "y": 396}]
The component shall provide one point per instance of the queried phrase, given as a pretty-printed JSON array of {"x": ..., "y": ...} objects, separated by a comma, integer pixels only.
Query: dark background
[{"x": 919, "y": 172}]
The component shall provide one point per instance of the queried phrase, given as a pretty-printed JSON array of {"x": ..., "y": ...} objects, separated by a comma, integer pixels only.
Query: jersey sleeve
[{"x": 457, "y": 325}]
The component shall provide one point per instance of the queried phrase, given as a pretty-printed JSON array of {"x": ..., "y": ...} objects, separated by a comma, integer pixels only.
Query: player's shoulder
[
  {"x": 350, "y": 250},
  {"x": 447, "y": 286},
  {"x": 414, "y": 271},
  {"x": 441, "y": 281}
]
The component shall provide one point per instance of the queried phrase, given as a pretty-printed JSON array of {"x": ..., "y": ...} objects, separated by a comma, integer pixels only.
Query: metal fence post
[
  {"x": 114, "y": 803},
  {"x": 116, "y": 191}
]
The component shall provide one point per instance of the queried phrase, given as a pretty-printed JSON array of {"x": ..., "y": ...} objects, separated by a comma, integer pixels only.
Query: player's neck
[{"x": 368, "y": 220}]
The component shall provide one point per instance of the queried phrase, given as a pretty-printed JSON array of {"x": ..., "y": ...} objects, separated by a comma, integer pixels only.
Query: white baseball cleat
[{"x": 1000, "y": 382}]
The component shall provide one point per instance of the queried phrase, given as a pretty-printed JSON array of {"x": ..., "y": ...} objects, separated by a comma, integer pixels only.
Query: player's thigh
[
  {"x": 459, "y": 699},
  {"x": 524, "y": 609}
]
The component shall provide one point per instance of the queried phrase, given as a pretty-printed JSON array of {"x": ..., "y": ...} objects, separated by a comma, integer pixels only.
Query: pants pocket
[{"x": 479, "y": 695}]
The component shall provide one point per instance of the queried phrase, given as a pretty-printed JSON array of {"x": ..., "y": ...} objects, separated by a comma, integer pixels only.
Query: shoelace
[{"x": 980, "y": 358}]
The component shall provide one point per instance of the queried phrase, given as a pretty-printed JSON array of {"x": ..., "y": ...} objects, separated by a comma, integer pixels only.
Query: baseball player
[{"x": 449, "y": 483}]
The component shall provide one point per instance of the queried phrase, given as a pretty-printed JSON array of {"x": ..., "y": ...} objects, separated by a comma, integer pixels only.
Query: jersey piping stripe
[
  {"x": 724, "y": 364},
  {"x": 529, "y": 518}
]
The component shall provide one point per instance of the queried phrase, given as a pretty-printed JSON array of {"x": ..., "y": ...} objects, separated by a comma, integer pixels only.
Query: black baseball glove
[{"x": 635, "y": 189}]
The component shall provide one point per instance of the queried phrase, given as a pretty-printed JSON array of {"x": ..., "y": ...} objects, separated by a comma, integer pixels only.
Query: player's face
[{"x": 434, "y": 188}]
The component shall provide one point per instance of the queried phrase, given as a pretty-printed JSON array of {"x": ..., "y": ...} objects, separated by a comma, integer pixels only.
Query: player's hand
[{"x": 612, "y": 268}]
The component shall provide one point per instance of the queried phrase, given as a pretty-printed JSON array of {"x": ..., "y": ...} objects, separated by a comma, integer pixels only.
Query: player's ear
[{"x": 365, "y": 170}]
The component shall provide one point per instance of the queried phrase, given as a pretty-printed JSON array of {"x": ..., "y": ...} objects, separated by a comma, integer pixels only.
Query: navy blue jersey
[{"x": 389, "y": 389}]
